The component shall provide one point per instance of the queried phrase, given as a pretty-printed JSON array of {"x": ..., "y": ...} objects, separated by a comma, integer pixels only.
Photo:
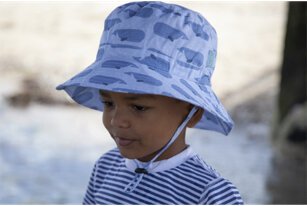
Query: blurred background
[{"x": 48, "y": 145}]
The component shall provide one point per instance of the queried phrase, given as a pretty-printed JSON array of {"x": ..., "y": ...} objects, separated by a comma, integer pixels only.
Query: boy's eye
[
  {"x": 139, "y": 108},
  {"x": 107, "y": 103}
]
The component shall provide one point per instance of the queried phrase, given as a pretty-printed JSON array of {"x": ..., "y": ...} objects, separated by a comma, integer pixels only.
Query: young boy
[{"x": 151, "y": 79}]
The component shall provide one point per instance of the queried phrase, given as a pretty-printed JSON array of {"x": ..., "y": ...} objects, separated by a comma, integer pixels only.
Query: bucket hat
[{"x": 154, "y": 48}]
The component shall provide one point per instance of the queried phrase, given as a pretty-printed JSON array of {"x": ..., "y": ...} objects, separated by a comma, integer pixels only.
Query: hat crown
[
  {"x": 159, "y": 49},
  {"x": 177, "y": 40}
]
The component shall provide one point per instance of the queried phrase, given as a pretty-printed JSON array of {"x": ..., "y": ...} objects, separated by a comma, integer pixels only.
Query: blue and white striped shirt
[{"x": 182, "y": 179}]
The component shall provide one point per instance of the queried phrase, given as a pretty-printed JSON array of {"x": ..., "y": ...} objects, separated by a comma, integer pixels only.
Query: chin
[{"x": 128, "y": 155}]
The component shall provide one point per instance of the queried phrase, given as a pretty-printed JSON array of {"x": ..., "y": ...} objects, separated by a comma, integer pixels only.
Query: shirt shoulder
[
  {"x": 111, "y": 161},
  {"x": 107, "y": 162},
  {"x": 196, "y": 167},
  {"x": 110, "y": 156},
  {"x": 221, "y": 192},
  {"x": 215, "y": 189}
]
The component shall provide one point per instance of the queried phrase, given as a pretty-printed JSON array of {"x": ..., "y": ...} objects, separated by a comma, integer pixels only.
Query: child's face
[{"x": 142, "y": 124}]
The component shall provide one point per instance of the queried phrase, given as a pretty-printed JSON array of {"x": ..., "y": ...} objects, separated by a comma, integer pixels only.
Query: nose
[{"x": 120, "y": 119}]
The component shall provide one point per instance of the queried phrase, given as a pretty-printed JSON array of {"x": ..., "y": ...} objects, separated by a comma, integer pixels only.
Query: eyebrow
[{"x": 130, "y": 97}]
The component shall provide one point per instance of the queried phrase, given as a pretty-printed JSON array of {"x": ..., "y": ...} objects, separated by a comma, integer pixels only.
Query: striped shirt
[{"x": 182, "y": 179}]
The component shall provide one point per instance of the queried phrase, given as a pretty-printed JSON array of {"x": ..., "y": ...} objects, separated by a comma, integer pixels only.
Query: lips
[{"x": 123, "y": 141}]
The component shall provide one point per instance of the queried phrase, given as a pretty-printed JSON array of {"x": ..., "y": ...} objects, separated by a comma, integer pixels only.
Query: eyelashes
[
  {"x": 139, "y": 108},
  {"x": 107, "y": 104}
]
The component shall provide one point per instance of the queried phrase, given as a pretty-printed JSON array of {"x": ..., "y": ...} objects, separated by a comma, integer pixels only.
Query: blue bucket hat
[{"x": 155, "y": 48}]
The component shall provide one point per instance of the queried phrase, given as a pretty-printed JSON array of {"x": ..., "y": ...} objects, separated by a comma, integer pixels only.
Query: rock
[{"x": 34, "y": 90}]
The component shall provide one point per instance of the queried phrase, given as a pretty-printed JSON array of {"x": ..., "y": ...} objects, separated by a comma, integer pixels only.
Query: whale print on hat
[
  {"x": 168, "y": 32},
  {"x": 155, "y": 63},
  {"x": 155, "y": 48},
  {"x": 144, "y": 13},
  {"x": 98, "y": 79},
  {"x": 111, "y": 22},
  {"x": 145, "y": 78},
  {"x": 131, "y": 35}
]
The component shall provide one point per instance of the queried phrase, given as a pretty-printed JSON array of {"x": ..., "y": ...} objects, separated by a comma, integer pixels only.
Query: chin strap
[{"x": 140, "y": 172}]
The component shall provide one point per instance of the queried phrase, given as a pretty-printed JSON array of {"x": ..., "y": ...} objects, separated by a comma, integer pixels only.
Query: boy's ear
[{"x": 196, "y": 117}]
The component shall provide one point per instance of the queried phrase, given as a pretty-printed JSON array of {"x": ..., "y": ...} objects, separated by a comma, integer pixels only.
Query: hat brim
[{"x": 84, "y": 89}]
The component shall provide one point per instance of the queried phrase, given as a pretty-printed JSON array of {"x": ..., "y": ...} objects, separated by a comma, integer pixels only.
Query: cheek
[
  {"x": 167, "y": 126},
  {"x": 158, "y": 133},
  {"x": 105, "y": 121}
]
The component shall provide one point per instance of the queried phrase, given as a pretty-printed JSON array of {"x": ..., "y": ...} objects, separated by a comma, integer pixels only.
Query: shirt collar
[{"x": 162, "y": 165}]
